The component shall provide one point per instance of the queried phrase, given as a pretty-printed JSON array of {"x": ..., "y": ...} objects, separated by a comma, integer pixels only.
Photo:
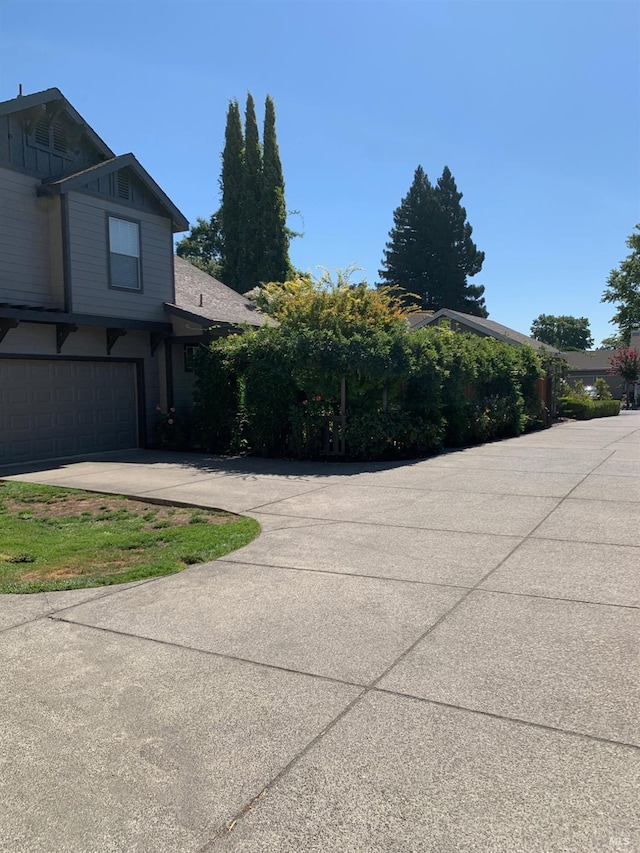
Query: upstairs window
[{"x": 124, "y": 254}]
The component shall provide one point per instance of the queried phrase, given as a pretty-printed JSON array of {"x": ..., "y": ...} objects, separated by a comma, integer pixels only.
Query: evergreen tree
[
  {"x": 247, "y": 240},
  {"x": 409, "y": 255},
  {"x": 275, "y": 265},
  {"x": 231, "y": 186},
  {"x": 430, "y": 251},
  {"x": 457, "y": 256},
  {"x": 253, "y": 245}
]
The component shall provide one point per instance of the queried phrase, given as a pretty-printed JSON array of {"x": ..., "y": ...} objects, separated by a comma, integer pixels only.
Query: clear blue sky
[{"x": 534, "y": 106}]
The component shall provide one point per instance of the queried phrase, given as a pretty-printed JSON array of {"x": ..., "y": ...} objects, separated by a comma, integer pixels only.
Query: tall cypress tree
[
  {"x": 430, "y": 251},
  {"x": 247, "y": 240},
  {"x": 276, "y": 265},
  {"x": 253, "y": 246},
  {"x": 231, "y": 187},
  {"x": 456, "y": 253}
]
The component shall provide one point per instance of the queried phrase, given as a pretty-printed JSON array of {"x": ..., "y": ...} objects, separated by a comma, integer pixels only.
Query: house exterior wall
[
  {"x": 30, "y": 273},
  {"x": 588, "y": 377},
  {"x": 183, "y": 380},
  {"x": 89, "y": 261},
  {"x": 19, "y": 149}
]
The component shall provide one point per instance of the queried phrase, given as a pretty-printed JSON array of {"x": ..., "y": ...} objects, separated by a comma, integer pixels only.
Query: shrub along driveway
[{"x": 432, "y": 656}]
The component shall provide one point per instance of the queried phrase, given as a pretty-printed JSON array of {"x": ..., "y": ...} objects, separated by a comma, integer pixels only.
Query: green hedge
[
  {"x": 584, "y": 408},
  {"x": 271, "y": 391}
]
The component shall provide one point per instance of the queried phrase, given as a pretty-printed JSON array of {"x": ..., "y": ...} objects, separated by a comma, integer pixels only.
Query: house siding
[
  {"x": 183, "y": 381},
  {"x": 89, "y": 261},
  {"x": 26, "y": 261}
]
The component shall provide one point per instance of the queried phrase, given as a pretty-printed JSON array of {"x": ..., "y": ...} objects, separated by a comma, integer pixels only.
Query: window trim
[{"x": 140, "y": 289}]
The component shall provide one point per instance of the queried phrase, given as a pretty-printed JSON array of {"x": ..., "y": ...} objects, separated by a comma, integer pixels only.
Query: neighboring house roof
[
  {"x": 205, "y": 300},
  {"x": 490, "y": 328},
  {"x": 52, "y": 100},
  {"x": 415, "y": 318},
  {"x": 79, "y": 179},
  {"x": 589, "y": 360}
]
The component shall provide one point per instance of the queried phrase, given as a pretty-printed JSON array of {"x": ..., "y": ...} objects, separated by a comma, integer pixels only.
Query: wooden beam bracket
[{"x": 112, "y": 336}]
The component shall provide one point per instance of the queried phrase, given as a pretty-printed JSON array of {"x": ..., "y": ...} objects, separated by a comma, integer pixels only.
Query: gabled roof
[
  {"x": 46, "y": 100},
  {"x": 487, "y": 327},
  {"x": 205, "y": 300},
  {"x": 416, "y": 318},
  {"x": 591, "y": 360},
  {"x": 79, "y": 179}
]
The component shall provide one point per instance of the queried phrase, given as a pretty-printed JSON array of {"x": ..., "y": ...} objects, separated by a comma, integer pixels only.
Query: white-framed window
[{"x": 124, "y": 254}]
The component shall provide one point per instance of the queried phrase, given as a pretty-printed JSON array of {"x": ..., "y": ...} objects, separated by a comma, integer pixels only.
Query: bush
[
  {"x": 583, "y": 408},
  {"x": 602, "y": 389},
  {"x": 274, "y": 390}
]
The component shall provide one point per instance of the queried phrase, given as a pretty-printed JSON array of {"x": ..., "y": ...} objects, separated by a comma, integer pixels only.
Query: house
[
  {"x": 589, "y": 365},
  {"x": 482, "y": 327},
  {"x": 96, "y": 314},
  {"x": 204, "y": 308}
]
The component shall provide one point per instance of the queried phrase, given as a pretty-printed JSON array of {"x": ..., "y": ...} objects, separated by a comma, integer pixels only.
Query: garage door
[{"x": 64, "y": 408}]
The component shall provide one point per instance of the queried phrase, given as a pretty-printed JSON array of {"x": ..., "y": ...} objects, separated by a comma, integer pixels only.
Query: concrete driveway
[{"x": 432, "y": 656}]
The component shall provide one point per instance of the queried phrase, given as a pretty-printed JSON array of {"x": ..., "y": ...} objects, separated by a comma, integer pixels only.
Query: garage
[{"x": 66, "y": 407}]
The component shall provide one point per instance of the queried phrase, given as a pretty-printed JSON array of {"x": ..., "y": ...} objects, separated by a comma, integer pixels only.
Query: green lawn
[{"x": 53, "y": 538}]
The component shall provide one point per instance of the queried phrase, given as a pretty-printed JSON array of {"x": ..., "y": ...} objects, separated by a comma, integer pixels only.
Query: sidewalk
[{"x": 438, "y": 656}]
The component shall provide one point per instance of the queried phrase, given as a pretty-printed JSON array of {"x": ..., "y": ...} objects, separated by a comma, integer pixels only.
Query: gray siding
[
  {"x": 89, "y": 262},
  {"x": 25, "y": 256},
  {"x": 183, "y": 381},
  {"x": 24, "y": 154}
]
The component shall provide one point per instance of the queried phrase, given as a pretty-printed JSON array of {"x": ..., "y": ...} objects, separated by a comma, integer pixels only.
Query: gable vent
[
  {"x": 41, "y": 133},
  {"x": 59, "y": 139},
  {"x": 124, "y": 187}
]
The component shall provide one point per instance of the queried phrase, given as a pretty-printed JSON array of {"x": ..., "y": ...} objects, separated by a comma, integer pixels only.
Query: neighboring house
[
  {"x": 589, "y": 365},
  {"x": 459, "y": 322},
  {"x": 203, "y": 307},
  {"x": 92, "y": 322},
  {"x": 482, "y": 327}
]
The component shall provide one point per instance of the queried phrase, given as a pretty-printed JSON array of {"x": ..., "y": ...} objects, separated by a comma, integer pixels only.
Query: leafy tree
[
  {"x": 275, "y": 263},
  {"x": 336, "y": 307},
  {"x": 231, "y": 185},
  {"x": 563, "y": 332},
  {"x": 623, "y": 290},
  {"x": 430, "y": 251},
  {"x": 203, "y": 246},
  {"x": 625, "y": 362}
]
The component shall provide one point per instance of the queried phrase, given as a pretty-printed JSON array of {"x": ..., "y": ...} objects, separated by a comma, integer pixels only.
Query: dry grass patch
[{"x": 54, "y": 538}]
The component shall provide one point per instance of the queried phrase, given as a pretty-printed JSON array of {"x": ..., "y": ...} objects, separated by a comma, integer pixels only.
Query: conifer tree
[
  {"x": 408, "y": 258},
  {"x": 247, "y": 240},
  {"x": 253, "y": 245},
  {"x": 231, "y": 186},
  {"x": 275, "y": 265},
  {"x": 430, "y": 251},
  {"x": 456, "y": 253}
]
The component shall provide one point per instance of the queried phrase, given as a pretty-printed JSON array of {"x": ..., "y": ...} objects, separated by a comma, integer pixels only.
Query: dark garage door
[{"x": 51, "y": 408}]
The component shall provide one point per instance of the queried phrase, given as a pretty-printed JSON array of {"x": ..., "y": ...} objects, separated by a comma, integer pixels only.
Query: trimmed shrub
[{"x": 583, "y": 408}]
